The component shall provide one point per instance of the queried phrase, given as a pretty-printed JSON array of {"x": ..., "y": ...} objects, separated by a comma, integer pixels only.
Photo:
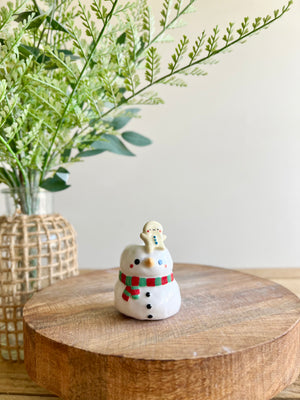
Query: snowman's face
[{"x": 136, "y": 262}]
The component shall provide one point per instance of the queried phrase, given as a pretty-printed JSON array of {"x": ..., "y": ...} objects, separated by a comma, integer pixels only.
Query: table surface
[{"x": 16, "y": 385}]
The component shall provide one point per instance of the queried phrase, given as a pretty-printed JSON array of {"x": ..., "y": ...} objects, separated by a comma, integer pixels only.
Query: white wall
[{"x": 223, "y": 174}]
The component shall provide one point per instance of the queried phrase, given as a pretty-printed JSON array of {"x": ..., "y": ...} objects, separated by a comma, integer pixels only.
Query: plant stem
[
  {"x": 109, "y": 16},
  {"x": 167, "y": 26},
  {"x": 22, "y": 170},
  {"x": 36, "y": 6},
  {"x": 188, "y": 66},
  {"x": 41, "y": 37}
]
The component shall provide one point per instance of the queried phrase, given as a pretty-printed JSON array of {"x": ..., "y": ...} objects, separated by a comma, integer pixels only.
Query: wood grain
[
  {"x": 235, "y": 337},
  {"x": 26, "y": 397},
  {"x": 14, "y": 379},
  {"x": 25, "y": 389}
]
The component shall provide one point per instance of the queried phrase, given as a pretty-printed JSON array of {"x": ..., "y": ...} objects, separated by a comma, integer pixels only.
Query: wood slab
[{"x": 236, "y": 337}]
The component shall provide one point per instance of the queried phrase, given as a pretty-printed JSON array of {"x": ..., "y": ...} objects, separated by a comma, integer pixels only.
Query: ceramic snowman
[{"x": 146, "y": 288}]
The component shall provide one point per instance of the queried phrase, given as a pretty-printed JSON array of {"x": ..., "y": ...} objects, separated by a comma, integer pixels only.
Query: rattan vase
[{"x": 35, "y": 252}]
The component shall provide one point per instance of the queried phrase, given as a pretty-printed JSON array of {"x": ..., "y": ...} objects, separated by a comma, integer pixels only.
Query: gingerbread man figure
[{"x": 153, "y": 236}]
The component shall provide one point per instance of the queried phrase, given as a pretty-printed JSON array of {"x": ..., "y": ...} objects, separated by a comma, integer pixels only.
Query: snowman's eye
[
  {"x": 136, "y": 261},
  {"x": 160, "y": 262}
]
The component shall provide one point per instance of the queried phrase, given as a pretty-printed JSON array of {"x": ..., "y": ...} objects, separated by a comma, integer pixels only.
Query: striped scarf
[{"x": 133, "y": 284}]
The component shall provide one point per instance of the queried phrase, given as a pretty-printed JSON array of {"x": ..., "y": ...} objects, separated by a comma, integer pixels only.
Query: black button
[
  {"x": 148, "y": 294},
  {"x": 150, "y": 316},
  {"x": 149, "y": 306},
  {"x": 136, "y": 261}
]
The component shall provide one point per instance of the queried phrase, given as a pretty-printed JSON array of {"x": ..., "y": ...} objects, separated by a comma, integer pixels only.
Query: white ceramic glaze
[{"x": 152, "y": 302}]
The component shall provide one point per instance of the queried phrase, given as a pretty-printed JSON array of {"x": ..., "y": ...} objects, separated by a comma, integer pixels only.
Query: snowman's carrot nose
[{"x": 149, "y": 262}]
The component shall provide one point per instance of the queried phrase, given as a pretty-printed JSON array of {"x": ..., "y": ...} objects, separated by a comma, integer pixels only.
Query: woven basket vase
[{"x": 35, "y": 252}]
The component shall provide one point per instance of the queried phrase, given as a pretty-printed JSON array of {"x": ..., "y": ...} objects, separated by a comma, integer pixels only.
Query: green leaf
[
  {"x": 135, "y": 138},
  {"x": 167, "y": 4},
  {"x": 26, "y": 50},
  {"x": 174, "y": 81},
  {"x": 113, "y": 144},
  {"x": 122, "y": 38},
  {"x": 37, "y": 21},
  {"x": 52, "y": 63},
  {"x": 212, "y": 41},
  {"x": 180, "y": 50},
  {"x": 63, "y": 174},
  {"x": 122, "y": 120},
  {"x": 89, "y": 153},
  {"x": 20, "y": 17},
  {"x": 66, "y": 155},
  {"x": 58, "y": 182},
  {"x": 197, "y": 47},
  {"x": 57, "y": 26},
  {"x": 68, "y": 53},
  {"x": 152, "y": 65},
  {"x": 43, "y": 59}
]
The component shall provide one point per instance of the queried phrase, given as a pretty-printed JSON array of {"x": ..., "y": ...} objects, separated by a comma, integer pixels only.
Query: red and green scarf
[{"x": 133, "y": 284}]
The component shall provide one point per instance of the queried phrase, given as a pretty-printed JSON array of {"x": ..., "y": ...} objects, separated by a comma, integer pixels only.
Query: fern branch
[
  {"x": 101, "y": 14},
  {"x": 229, "y": 37},
  {"x": 86, "y": 21},
  {"x": 197, "y": 48},
  {"x": 50, "y": 128},
  {"x": 165, "y": 12},
  {"x": 148, "y": 25},
  {"x": 10, "y": 110},
  {"x": 178, "y": 15},
  {"x": 76, "y": 41},
  {"x": 17, "y": 41},
  {"x": 132, "y": 79},
  {"x": 49, "y": 85},
  {"x": 240, "y": 39},
  {"x": 10, "y": 15},
  {"x": 60, "y": 61},
  {"x": 179, "y": 52},
  {"x": 43, "y": 100},
  {"x": 106, "y": 22},
  {"x": 212, "y": 41},
  {"x": 110, "y": 86},
  {"x": 152, "y": 65}
]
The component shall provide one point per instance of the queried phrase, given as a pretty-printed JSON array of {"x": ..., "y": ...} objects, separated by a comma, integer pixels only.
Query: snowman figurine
[{"x": 146, "y": 288}]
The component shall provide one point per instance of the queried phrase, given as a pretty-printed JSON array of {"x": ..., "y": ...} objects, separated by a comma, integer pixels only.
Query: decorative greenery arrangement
[{"x": 64, "y": 93}]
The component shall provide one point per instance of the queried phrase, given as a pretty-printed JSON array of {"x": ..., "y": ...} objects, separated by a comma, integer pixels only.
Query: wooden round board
[{"x": 235, "y": 337}]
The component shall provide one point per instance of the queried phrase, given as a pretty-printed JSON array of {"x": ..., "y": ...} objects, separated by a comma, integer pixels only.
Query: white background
[{"x": 222, "y": 175}]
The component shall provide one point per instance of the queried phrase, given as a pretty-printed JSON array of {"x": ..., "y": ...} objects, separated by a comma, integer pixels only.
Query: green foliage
[
  {"x": 57, "y": 182},
  {"x": 165, "y": 12},
  {"x": 135, "y": 138},
  {"x": 180, "y": 50},
  {"x": 66, "y": 93},
  {"x": 197, "y": 48},
  {"x": 152, "y": 65}
]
